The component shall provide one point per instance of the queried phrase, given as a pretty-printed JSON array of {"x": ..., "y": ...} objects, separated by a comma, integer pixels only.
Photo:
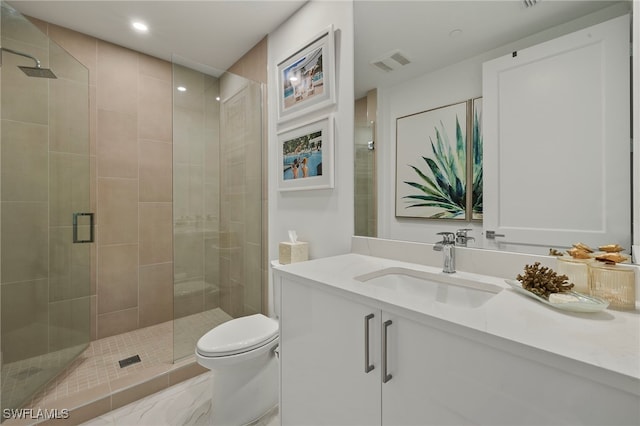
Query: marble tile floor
[{"x": 187, "y": 403}]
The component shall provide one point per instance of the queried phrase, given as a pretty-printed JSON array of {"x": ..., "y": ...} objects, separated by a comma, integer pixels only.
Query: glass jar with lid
[
  {"x": 613, "y": 282},
  {"x": 576, "y": 270}
]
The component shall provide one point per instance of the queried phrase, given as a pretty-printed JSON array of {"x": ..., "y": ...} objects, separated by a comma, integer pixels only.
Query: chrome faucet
[
  {"x": 447, "y": 247},
  {"x": 462, "y": 237}
]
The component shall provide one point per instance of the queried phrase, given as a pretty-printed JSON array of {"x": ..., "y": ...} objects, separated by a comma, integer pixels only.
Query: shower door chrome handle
[
  {"x": 367, "y": 366},
  {"x": 385, "y": 375},
  {"x": 75, "y": 228}
]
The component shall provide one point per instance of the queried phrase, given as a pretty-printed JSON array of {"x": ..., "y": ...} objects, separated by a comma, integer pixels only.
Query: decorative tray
[{"x": 583, "y": 304}]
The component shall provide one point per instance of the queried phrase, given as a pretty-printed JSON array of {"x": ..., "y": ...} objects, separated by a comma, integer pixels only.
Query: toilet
[{"x": 241, "y": 355}]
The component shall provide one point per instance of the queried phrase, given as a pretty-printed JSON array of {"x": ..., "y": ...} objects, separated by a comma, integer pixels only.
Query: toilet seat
[{"x": 238, "y": 335}]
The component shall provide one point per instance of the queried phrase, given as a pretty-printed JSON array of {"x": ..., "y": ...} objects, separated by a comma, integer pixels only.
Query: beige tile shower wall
[
  {"x": 253, "y": 65},
  {"x": 131, "y": 183},
  {"x": 130, "y": 128},
  {"x": 240, "y": 196}
]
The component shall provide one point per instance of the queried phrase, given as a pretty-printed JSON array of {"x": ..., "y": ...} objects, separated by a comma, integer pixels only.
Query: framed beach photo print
[
  {"x": 306, "y": 78},
  {"x": 306, "y": 156},
  {"x": 431, "y": 164}
]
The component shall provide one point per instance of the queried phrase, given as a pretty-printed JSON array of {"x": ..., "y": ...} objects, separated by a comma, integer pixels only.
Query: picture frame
[
  {"x": 306, "y": 156},
  {"x": 306, "y": 79},
  {"x": 432, "y": 166},
  {"x": 475, "y": 181}
]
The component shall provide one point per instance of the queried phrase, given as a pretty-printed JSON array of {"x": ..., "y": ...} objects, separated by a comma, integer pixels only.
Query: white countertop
[{"x": 609, "y": 339}]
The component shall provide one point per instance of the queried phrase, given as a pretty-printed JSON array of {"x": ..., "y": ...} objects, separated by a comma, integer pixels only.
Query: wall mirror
[{"x": 417, "y": 56}]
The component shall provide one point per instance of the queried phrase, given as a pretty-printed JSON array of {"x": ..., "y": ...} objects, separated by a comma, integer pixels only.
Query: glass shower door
[
  {"x": 45, "y": 277},
  {"x": 217, "y": 201},
  {"x": 364, "y": 170}
]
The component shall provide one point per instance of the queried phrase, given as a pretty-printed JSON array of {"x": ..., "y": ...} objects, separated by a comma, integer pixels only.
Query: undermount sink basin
[{"x": 421, "y": 285}]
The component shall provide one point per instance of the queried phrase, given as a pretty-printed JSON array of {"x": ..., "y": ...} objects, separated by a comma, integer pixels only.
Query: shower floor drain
[{"x": 128, "y": 361}]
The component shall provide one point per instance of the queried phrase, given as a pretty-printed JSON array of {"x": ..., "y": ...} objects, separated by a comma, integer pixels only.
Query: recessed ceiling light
[
  {"x": 455, "y": 33},
  {"x": 218, "y": 98},
  {"x": 140, "y": 26},
  {"x": 181, "y": 89}
]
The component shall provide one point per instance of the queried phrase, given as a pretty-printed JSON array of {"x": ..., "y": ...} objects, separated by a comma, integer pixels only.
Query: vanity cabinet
[
  {"x": 333, "y": 363},
  {"x": 323, "y": 380},
  {"x": 438, "y": 373}
]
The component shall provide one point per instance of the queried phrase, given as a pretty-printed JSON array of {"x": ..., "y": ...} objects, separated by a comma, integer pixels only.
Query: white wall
[
  {"x": 322, "y": 217},
  {"x": 452, "y": 84}
]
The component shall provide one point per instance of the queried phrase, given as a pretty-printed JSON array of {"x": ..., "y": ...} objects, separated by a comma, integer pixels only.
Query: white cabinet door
[
  {"x": 557, "y": 149},
  {"x": 422, "y": 377},
  {"x": 440, "y": 377},
  {"x": 323, "y": 378}
]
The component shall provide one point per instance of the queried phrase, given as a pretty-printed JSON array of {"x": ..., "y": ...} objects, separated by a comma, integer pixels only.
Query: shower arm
[{"x": 15, "y": 52}]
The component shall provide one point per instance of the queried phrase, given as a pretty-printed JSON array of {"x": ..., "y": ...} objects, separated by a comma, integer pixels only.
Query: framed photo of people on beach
[
  {"x": 306, "y": 156},
  {"x": 306, "y": 78}
]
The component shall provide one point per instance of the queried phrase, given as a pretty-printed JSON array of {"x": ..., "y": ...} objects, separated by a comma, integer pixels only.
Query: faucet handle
[
  {"x": 461, "y": 235},
  {"x": 447, "y": 237},
  {"x": 463, "y": 232}
]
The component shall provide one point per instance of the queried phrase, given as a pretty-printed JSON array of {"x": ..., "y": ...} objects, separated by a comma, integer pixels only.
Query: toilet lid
[{"x": 238, "y": 335}]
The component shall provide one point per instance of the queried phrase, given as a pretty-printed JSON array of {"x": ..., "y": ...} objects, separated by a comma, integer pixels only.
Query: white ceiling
[
  {"x": 420, "y": 29},
  {"x": 215, "y": 33}
]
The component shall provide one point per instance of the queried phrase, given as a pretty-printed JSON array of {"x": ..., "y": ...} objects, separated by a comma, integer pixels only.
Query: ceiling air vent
[
  {"x": 391, "y": 61},
  {"x": 529, "y": 3}
]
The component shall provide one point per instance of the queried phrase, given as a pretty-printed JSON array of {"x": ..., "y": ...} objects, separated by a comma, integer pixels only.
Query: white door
[
  {"x": 323, "y": 358},
  {"x": 557, "y": 141}
]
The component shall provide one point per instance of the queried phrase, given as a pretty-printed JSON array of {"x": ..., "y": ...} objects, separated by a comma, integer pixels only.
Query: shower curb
[{"x": 106, "y": 397}]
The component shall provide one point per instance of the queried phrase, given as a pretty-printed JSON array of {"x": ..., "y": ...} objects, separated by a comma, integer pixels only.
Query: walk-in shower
[{"x": 55, "y": 346}]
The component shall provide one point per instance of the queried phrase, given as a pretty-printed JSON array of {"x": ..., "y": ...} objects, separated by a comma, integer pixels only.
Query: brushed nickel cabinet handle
[
  {"x": 367, "y": 366},
  {"x": 385, "y": 331}
]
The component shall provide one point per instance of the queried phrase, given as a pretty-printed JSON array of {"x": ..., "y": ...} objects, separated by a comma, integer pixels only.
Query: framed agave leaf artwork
[{"x": 432, "y": 165}]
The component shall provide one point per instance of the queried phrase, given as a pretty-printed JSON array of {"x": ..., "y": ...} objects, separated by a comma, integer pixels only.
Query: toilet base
[
  {"x": 266, "y": 418},
  {"x": 243, "y": 395}
]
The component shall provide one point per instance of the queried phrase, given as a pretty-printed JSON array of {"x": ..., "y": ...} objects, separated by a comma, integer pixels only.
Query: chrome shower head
[{"x": 36, "y": 71}]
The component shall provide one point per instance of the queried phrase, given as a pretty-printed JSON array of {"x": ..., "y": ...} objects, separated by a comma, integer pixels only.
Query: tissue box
[{"x": 293, "y": 252}]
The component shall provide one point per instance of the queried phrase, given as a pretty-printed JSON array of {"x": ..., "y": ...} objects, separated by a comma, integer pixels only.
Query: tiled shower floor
[{"x": 98, "y": 364}]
